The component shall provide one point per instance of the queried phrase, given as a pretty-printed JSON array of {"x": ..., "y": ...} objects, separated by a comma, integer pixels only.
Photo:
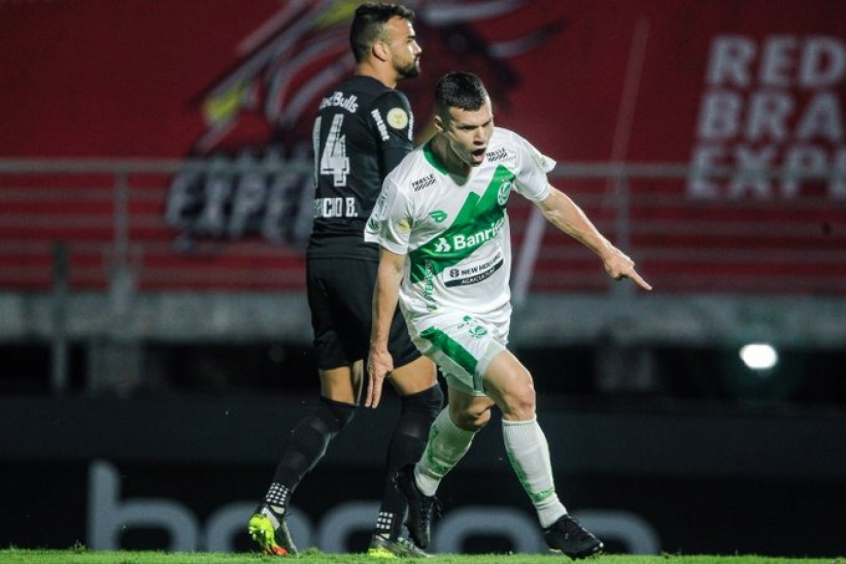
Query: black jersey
[{"x": 362, "y": 131}]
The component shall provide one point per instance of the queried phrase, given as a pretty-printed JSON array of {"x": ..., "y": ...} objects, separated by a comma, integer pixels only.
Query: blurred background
[{"x": 155, "y": 199}]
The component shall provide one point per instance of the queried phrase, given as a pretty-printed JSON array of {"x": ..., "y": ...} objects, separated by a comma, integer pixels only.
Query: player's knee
[
  {"x": 470, "y": 418},
  {"x": 428, "y": 402},
  {"x": 519, "y": 403},
  {"x": 335, "y": 415}
]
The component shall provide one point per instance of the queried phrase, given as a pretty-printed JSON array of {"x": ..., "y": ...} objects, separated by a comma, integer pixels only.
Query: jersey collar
[{"x": 433, "y": 159}]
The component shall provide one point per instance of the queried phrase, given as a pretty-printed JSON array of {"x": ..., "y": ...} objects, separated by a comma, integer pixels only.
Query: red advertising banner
[
  {"x": 748, "y": 84},
  {"x": 129, "y": 79}
]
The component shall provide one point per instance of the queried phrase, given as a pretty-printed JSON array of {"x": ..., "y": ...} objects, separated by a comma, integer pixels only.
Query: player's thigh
[
  {"x": 414, "y": 377},
  {"x": 342, "y": 384},
  {"x": 355, "y": 300},
  {"x": 402, "y": 349},
  {"x": 353, "y": 287},
  {"x": 328, "y": 349},
  {"x": 462, "y": 346},
  {"x": 340, "y": 296}
]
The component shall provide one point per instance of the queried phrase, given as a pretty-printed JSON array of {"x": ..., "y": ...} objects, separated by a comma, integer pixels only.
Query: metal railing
[
  {"x": 117, "y": 221},
  {"x": 128, "y": 232}
]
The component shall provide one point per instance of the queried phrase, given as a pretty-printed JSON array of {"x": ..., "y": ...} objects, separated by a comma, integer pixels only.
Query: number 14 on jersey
[{"x": 332, "y": 160}]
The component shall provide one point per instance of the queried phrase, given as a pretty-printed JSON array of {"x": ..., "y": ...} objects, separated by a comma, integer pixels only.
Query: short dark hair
[
  {"x": 463, "y": 90},
  {"x": 368, "y": 26}
]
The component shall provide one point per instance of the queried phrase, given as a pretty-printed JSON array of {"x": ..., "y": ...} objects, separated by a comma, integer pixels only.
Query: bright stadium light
[{"x": 759, "y": 356}]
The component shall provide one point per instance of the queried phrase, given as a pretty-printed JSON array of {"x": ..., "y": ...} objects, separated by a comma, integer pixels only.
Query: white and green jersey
[{"x": 455, "y": 229}]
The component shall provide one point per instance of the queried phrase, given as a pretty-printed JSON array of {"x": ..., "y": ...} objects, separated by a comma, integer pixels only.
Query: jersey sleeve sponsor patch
[
  {"x": 403, "y": 226},
  {"x": 397, "y": 118},
  {"x": 542, "y": 161},
  {"x": 380, "y": 125}
]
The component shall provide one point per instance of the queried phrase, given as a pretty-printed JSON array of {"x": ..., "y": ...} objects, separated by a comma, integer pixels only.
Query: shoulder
[
  {"x": 412, "y": 166},
  {"x": 506, "y": 137},
  {"x": 509, "y": 145},
  {"x": 377, "y": 94},
  {"x": 361, "y": 94},
  {"x": 391, "y": 97},
  {"x": 504, "y": 147},
  {"x": 394, "y": 108},
  {"x": 409, "y": 166}
]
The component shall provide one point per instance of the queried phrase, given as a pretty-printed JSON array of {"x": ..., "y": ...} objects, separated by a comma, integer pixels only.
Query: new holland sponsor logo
[
  {"x": 497, "y": 155},
  {"x": 473, "y": 275},
  {"x": 424, "y": 182},
  {"x": 473, "y": 272}
]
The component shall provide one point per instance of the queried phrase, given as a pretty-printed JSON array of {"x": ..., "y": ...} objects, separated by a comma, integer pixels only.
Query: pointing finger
[{"x": 640, "y": 281}]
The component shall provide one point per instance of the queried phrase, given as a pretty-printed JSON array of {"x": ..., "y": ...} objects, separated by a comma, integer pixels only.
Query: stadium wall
[
  {"x": 184, "y": 473},
  {"x": 737, "y": 86},
  {"x": 157, "y": 255}
]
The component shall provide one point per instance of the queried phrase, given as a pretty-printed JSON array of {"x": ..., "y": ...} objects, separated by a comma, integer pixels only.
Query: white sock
[
  {"x": 447, "y": 445},
  {"x": 528, "y": 452}
]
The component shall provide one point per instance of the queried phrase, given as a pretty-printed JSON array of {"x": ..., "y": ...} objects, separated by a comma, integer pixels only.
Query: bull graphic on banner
[{"x": 258, "y": 178}]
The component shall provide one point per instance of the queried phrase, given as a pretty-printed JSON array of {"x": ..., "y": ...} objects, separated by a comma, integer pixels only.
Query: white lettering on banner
[
  {"x": 109, "y": 517},
  {"x": 224, "y": 201},
  {"x": 771, "y": 103},
  {"x": 785, "y": 61}
]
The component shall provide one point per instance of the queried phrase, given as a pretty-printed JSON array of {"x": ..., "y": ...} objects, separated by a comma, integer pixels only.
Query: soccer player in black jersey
[{"x": 362, "y": 131}]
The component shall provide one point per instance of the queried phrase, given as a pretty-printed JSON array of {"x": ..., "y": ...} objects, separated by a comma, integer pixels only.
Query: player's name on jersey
[
  {"x": 335, "y": 207},
  {"x": 337, "y": 100}
]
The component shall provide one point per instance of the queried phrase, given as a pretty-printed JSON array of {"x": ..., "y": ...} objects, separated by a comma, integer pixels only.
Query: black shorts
[{"x": 340, "y": 295}]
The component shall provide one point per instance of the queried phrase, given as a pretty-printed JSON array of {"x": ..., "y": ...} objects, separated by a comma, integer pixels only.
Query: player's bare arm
[
  {"x": 385, "y": 297},
  {"x": 567, "y": 216}
]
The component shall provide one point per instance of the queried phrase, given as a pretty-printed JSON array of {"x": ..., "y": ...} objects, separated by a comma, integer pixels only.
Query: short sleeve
[
  {"x": 393, "y": 122},
  {"x": 532, "y": 168},
  {"x": 389, "y": 224}
]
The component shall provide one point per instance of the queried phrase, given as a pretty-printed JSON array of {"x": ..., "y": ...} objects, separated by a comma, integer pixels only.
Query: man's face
[
  {"x": 405, "y": 51},
  {"x": 468, "y": 132}
]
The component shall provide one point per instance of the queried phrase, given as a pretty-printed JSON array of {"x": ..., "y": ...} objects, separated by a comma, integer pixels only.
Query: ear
[
  {"x": 438, "y": 123},
  {"x": 380, "y": 50}
]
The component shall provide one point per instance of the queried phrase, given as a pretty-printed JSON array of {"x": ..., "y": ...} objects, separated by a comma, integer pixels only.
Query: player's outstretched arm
[
  {"x": 385, "y": 297},
  {"x": 567, "y": 216}
]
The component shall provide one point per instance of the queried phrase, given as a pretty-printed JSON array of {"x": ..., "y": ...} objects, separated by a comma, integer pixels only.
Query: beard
[{"x": 411, "y": 70}]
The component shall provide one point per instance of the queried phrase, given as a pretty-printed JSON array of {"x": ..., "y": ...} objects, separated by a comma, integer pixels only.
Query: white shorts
[{"x": 462, "y": 345}]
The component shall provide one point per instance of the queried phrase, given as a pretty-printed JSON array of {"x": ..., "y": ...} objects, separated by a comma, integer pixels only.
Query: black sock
[
  {"x": 307, "y": 445},
  {"x": 276, "y": 498},
  {"x": 407, "y": 444}
]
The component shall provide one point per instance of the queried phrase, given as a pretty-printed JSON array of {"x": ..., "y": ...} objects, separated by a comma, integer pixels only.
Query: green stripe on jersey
[{"x": 478, "y": 221}]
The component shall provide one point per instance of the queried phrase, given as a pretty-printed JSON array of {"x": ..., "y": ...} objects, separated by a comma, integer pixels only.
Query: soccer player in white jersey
[{"x": 445, "y": 256}]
